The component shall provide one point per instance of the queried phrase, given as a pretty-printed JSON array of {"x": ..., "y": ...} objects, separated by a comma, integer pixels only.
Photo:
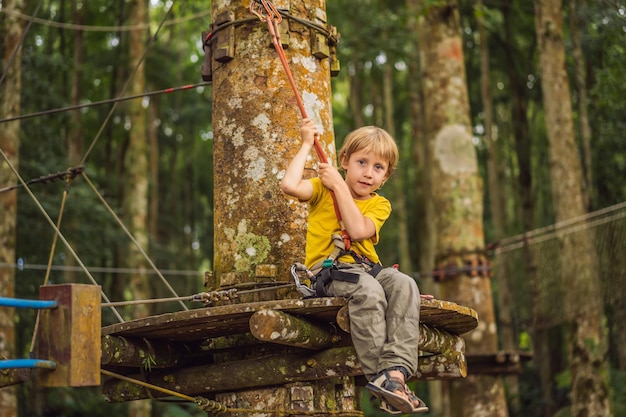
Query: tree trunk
[
  {"x": 11, "y": 30},
  {"x": 136, "y": 182},
  {"x": 497, "y": 202},
  {"x": 255, "y": 125},
  {"x": 136, "y": 165},
  {"x": 583, "y": 114},
  {"x": 587, "y": 341},
  {"x": 458, "y": 200},
  {"x": 419, "y": 150}
]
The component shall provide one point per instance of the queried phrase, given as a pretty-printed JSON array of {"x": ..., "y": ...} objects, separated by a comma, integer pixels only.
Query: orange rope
[{"x": 273, "y": 18}]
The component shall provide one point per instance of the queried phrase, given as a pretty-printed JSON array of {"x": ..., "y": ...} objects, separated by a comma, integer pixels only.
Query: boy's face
[{"x": 365, "y": 173}]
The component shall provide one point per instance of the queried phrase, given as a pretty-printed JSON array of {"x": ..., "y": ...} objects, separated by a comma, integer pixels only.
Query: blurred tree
[
  {"x": 136, "y": 177},
  {"x": 586, "y": 338},
  {"x": 458, "y": 201},
  {"x": 11, "y": 31}
]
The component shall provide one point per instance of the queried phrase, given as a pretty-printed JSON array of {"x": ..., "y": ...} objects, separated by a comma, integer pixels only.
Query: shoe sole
[{"x": 396, "y": 401}]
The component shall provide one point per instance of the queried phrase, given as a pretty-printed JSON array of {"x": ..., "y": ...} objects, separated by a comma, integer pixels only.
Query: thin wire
[
  {"x": 130, "y": 77},
  {"x": 132, "y": 238},
  {"x": 505, "y": 245},
  {"x": 147, "y": 301},
  {"x": 19, "y": 44},
  {"x": 99, "y": 269},
  {"x": 68, "y": 173},
  {"x": 87, "y": 28},
  {"x": 68, "y": 182},
  {"x": 228, "y": 293},
  {"x": 558, "y": 232},
  {"x": 147, "y": 385},
  {"x": 307, "y": 23},
  {"x": 111, "y": 100},
  {"x": 67, "y": 245},
  {"x": 567, "y": 226}
]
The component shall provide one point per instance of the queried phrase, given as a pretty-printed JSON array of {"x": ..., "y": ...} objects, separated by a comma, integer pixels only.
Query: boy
[{"x": 383, "y": 303}]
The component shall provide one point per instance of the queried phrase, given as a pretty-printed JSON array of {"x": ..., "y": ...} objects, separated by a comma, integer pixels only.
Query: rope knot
[{"x": 210, "y": 406}]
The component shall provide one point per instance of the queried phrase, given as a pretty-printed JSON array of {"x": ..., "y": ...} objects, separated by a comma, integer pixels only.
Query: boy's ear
[
  {"x": 385, "y": 179},
  {"x": 343, "y": 162}
]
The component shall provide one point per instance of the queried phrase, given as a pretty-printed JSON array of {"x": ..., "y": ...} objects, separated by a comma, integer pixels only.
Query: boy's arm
[{"x": 292, "y": 183}]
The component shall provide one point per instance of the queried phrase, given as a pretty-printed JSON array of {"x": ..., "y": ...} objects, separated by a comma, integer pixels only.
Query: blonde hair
[{"x": 373, "y": 139}]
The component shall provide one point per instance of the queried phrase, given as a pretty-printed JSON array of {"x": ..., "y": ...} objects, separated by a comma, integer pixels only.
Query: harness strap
[
  {"x": 328, "y": 274},
  {"x": 375, "y": 270}
]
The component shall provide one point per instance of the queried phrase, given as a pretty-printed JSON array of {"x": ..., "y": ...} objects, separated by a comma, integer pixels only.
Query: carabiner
[{"x": 259, "y": 7}]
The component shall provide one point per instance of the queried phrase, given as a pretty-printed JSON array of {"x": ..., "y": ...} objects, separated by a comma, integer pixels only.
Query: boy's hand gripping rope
[{"x": 267, "y": 12}]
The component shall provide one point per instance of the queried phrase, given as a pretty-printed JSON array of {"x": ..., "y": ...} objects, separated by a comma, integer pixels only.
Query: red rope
[{"x": 273, "y": 19}]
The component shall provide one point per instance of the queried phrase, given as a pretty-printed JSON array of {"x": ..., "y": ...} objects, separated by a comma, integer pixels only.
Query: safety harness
[{"x": 314, "y": 282}]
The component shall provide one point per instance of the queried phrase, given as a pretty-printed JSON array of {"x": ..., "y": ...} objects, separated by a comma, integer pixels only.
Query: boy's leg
[
  {"x": 376, "y": 325},
  {"x": 402, "y": 320},
  {"x": 399, "y": 354},
  {"x": 366, "y": 306}
]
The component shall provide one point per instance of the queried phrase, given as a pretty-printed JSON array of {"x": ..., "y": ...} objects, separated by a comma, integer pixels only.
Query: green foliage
[
  {"x": 607, "y": 107},
  {"x": 524, "y": 341}
]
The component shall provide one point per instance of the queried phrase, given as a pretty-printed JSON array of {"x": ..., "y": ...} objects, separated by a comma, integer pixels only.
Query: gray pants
[{"x": 384, "y": 318}]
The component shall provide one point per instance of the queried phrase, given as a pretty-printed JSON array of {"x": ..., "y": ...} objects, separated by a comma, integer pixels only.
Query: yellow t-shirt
[{"x": 322, "y": 223}]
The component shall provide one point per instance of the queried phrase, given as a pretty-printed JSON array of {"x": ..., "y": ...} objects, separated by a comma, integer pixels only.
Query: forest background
[{"x": 80, "y": 53}]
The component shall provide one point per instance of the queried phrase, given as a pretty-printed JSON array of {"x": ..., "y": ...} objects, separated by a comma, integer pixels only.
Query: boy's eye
[{"x": 361, "y": 162}]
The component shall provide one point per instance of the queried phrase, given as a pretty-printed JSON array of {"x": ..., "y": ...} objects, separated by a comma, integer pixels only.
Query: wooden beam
[
  {"x": 448, "y": 365},
  {"x": 142, "y": 353},
  {"x": 271, "y": 371},
  {"x": 279, "y": 327},
  {"x": 70, "y": 335},
  {"x": 434, "y": 340}
]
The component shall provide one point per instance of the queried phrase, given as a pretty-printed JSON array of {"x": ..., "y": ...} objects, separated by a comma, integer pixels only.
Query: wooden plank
[
  {"x": 210, "y": 322},
  {"x": 141, "y": 353},
  {"x": 448, "y": 316}
]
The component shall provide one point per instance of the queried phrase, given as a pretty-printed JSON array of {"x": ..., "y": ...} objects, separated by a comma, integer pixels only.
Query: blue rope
[
  {"x": 27, "y": 363},
  {"x": 20, "y": 303}
]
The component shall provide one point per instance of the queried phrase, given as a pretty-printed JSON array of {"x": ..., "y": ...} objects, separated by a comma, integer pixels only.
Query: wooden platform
[
  {"x": 210, "y": 322},
  {"x": 228, "y": 348}
]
